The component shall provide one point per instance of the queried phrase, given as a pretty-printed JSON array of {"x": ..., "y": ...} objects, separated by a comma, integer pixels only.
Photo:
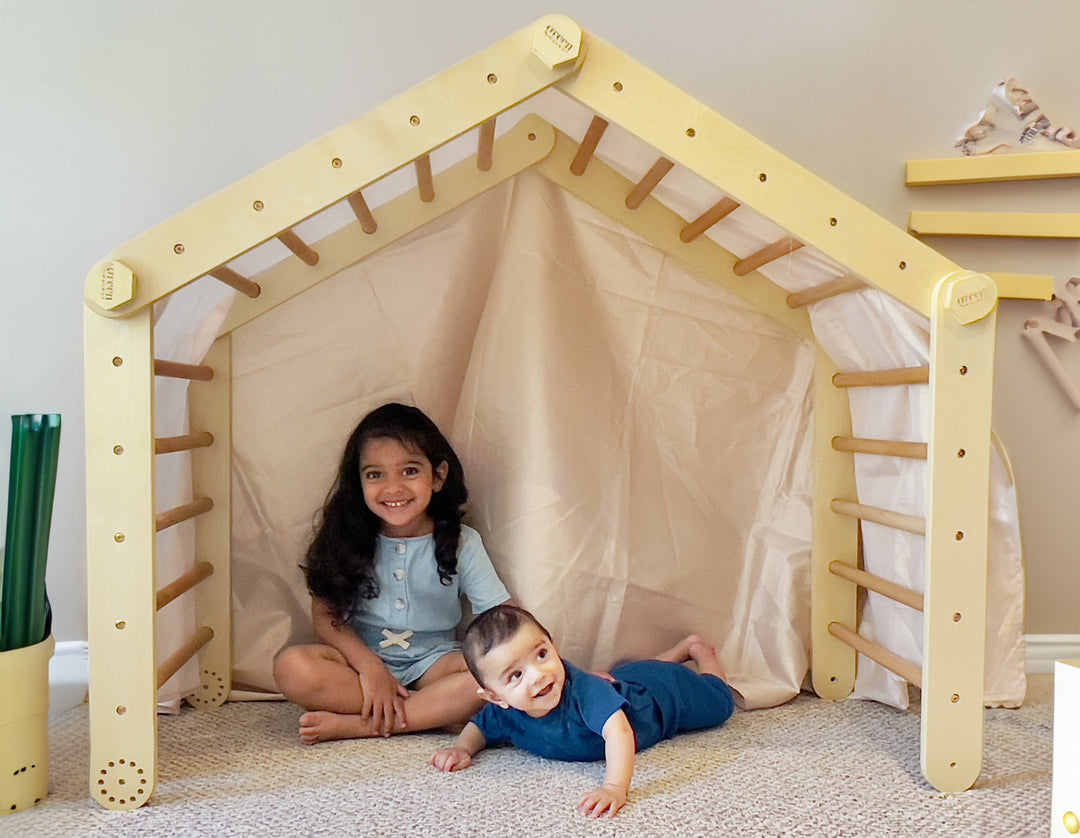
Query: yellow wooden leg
[
  {"x": 120, "y": 559},
  {"x": 210, "y": 471},
  {"x": 835, "y": 538},
  {"x": 954, "y": 617}
]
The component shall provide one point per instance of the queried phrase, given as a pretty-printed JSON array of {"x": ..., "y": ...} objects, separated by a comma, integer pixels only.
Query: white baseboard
[
  {"x": 69, "y": 675},
  {"x": 1043, "y": 649}
]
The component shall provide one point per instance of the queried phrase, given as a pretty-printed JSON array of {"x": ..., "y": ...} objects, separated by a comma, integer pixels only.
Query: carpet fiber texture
[{"x": 807, "y": 768}]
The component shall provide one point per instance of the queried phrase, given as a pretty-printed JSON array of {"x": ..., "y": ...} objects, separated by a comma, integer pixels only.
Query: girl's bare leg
[
  {"x": 446, "y": 696},
  {"x": 701, "y": 653}
]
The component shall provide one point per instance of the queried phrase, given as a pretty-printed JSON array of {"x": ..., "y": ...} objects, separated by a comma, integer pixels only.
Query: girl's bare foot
[{"x": 324, "y": 726}]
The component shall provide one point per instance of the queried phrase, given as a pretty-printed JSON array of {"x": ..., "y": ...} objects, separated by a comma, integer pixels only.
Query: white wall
[{"x": 116, "y": 114}]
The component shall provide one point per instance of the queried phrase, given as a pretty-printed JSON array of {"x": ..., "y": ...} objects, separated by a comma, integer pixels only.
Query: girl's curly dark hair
[{"x": 340, "y": 563}]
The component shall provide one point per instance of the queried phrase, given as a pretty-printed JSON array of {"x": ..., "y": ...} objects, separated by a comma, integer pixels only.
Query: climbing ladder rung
[
  {"x": 721, "y": 209},
  {"x": 884, "y": 447},
  {"x": 648, "y": 183},
  {"x": 425, "y": 184},
  {"x": 299, "y": 247},
  {"x": 877, "y": 515},
  {"x": 183, "y": 584},
  {"x": 898, "y": 593},
  {"x": 769, "y": 253},
  {"x": 833, "y": 288},
  {"x": 185, "y": 442},
  {"x": 174, "y": 516},
  {"x": 362, "y": 212},
  {"x": 485, "y": 149},
  {"x": 877, "y": 653},
  {"x": 883, "y": 378},
  {"x": 240, "y": 283},
  {"x": 588, "y": 145},
  {"x": 169, "y": 666},
  {"x": 174, "y": 369}
]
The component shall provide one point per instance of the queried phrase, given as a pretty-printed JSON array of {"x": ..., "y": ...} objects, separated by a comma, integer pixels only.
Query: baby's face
[{"x": 525, "y": 673}]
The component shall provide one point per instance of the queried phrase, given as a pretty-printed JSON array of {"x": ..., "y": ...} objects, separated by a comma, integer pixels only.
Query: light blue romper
[{"x": 411, "y": 598}]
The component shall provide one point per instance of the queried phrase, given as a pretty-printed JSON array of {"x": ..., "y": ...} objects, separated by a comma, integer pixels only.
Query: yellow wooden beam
[
  {"x": 519, "y": 148},
  {"x": 605, "y": 189},
  {"x": 989, "y": 168},
  {"x": 310, "y": 179},
  {"x": 806, "y": 207},
  {"x": 1042, "y": 225},
  {"x": 1023, "y": 286},
  {"x": 954, "y": 612}
]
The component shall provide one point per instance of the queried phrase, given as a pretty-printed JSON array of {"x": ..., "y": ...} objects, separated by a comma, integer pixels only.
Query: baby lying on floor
[{"x": 549, "y": 707}]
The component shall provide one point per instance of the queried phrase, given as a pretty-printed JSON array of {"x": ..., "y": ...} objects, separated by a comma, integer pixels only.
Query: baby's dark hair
[
  {"x": 340, "y": 563},
  {"x": 491, "y": 629}
]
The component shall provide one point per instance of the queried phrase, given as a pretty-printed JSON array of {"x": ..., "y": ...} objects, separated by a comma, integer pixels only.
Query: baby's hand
[
  {"x": 601, "y": 801},
  {"x": 451, "y": 759}
]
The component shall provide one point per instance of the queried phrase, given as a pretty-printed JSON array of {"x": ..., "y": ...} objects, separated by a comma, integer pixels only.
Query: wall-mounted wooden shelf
[
  {"x": 991, "y": 168},
  {"x": 1039, "y": 225}
]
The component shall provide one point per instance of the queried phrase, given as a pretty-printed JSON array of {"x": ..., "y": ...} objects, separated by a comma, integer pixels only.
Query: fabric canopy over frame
[{"x": 694, "y": 387}]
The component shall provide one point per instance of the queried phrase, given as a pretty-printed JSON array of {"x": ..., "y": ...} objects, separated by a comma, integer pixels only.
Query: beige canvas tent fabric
[{"x": 635, "y": 440}]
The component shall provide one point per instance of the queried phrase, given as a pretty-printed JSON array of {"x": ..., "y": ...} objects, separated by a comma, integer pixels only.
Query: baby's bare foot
[{"x": 681, "y": 651}]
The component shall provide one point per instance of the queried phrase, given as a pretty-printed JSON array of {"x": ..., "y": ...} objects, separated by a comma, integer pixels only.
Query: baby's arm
[
  {"x": 619, "y": 747},
  {"x": 469, "y": 743}
]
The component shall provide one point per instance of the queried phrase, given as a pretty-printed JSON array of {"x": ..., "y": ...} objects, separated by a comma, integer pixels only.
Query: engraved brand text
[
  {"x": 108, "y": 280},
  {"x": 558, "y": 40}
]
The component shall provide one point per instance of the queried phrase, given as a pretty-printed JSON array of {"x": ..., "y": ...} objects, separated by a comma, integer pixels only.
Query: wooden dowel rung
[
  {"x": 882, "y": 378},
  {"x": 231, "y": 278},
  {"x": 877, "y": 515},
  {"x": 183, "y": 584},
  {"x": 877, "y": 653},
  {"x": 648, "y": 183},
  {"x": 486, "y": 146},
  {"x": 895, "y": 592},
  {"x": 186, "y": 442},
  {"x": 191, "y": 646},
  {"x": 174, "y": 369},
  {"x": 769, "y": 253},
  {"x": 174, "y": 516},
  {"x": 363, "y": 213},
  {"x": 832, "y": 288},
  {"x": 884, "y": 447},
  {"x": 719, "y": 210},
  {"x": 588, "y": 145},
  {"x": 424, "y": 182},
  {"x": 299, "y": 247}
]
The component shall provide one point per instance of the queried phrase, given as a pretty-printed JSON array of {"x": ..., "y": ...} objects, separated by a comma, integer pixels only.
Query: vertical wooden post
[
  {"x": 120, "y": 558},
  {"x": 954, "y": 617},
  {"x": 835, "y": 537},
  {"x": 208, "y": 408}
]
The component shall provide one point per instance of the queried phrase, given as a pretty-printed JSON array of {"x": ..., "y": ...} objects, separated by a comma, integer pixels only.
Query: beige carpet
[{"x": 808, "y": 768}]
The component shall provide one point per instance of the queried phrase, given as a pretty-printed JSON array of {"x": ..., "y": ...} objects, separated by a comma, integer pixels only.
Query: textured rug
[{"x": 807, "y": 768}]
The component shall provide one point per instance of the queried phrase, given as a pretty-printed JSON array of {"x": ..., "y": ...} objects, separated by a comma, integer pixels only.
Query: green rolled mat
[
  {"x": 44, "y": 491},
  {"x": 35, "y": 442}
]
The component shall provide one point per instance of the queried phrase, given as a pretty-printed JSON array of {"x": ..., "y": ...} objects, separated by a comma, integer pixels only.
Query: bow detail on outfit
[{"x": 394, "y": 638}]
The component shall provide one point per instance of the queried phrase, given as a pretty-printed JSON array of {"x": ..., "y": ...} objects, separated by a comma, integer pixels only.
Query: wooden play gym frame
[{"x": 120, "y": 293}]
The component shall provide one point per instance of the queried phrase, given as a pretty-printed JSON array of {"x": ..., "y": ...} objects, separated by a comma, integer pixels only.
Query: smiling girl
[{"x": 385, "y": 569}]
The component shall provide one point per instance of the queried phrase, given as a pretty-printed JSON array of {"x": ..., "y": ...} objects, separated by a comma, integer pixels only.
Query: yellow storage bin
[{"x": 24, "y": 726}]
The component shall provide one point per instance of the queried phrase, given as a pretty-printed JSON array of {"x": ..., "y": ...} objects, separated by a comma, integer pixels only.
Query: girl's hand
[
  {"x": 602, "y": 801},
  {"x": 451, "y": 759},
  {"x": 384, "y": 698}
]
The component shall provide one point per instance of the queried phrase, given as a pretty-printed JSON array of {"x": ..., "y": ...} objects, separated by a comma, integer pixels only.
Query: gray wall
[{"x": 116, "y": 114}]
